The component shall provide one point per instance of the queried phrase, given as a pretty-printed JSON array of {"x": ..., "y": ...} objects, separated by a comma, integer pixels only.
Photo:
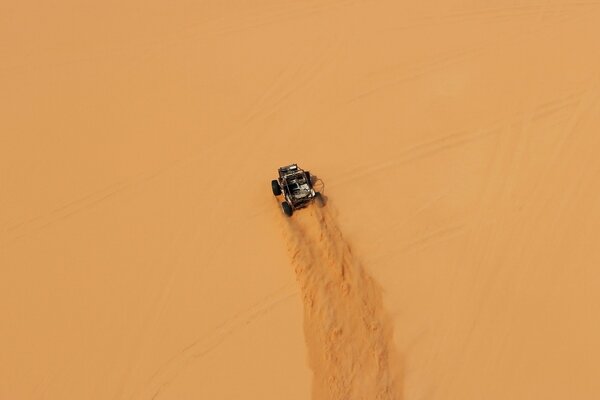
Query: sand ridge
[{"x": 348, "y": 333}]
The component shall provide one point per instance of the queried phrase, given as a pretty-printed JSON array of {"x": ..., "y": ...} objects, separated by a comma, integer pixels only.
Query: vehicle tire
[
  {"x": 275, "y": 187},
  {"x": 287, "y": 209}
]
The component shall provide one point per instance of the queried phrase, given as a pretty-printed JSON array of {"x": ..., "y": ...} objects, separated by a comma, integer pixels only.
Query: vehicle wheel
[
  {"x": 275, "y": 187},
  {"x": 287, "y": 209}
]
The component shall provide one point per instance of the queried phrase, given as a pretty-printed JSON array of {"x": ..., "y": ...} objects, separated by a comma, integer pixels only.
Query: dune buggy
[{"x": 296, "y": 186}]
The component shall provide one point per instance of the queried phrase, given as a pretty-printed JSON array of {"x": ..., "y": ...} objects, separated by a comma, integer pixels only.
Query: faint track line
[
  {"x": 206, "y": 343},
  {"x": 423, "y": 150},
  {"x": 32, "y": 225},
  {"x": 433, "y": 236},
  {"x": 202, "y": 31},
  {"x": 416, "y": 71},
  {"x": 452, "y": 140}
]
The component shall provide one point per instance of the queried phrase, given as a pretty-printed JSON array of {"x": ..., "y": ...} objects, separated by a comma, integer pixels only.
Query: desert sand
[{"x": 143, "y": 255}]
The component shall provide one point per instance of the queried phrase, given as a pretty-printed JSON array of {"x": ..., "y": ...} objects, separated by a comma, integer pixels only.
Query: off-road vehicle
[{"x": 296, "y": 186}]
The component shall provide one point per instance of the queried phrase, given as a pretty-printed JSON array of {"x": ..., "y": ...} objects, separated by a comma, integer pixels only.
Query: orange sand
[{"x": 142, "y": 255}]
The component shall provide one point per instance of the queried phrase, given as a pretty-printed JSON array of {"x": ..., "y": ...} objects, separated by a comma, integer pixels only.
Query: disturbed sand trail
[{"x": 348, "y": 334}]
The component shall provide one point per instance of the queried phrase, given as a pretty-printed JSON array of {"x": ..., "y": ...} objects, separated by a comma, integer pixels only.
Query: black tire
[
  {"x": 287, "y": 209},
  {"x": 275, "y": 187}
]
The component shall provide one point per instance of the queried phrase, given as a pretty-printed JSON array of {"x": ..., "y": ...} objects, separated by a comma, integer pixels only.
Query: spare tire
[
  {"x": 287, "y": 209},
  {"x": 275, "y": 187}
]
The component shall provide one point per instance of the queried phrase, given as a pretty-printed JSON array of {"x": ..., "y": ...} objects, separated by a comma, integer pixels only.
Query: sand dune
[{"x": 142, "y": 255}]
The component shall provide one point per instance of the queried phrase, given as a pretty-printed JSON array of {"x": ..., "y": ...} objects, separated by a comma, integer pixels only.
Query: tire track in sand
[
  {"x": 348, "y": 333},
  {"x": 168, "y": 372}
]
